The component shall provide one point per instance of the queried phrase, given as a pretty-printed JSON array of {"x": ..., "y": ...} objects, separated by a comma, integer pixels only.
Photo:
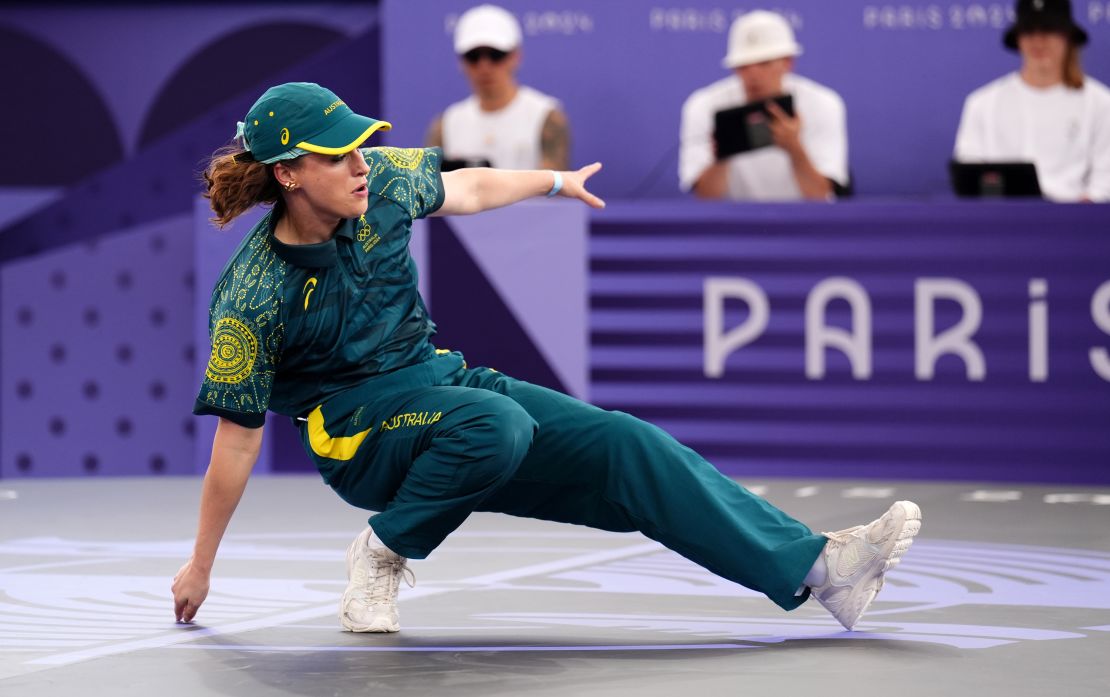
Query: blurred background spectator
[
  {"x": 809, "y": 155},
  {"x": 502, "y": 123},
  {"x": 1048, "y": 112}
]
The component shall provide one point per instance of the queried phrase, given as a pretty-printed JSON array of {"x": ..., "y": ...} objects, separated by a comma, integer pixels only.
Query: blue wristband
[{"x": 558, "y": 185}]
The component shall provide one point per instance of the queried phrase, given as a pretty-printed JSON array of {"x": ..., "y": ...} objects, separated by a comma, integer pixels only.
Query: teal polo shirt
[{"x": 293, "y": 325}]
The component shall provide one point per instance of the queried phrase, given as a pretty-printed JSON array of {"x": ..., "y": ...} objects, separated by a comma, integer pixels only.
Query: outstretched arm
[
  {"x": 234, "y": 451},
  {"x": 481, "y": 188}
]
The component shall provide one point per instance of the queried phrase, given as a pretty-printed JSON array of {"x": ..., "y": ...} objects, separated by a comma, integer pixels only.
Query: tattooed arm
[{"x": 555, "y": 142}]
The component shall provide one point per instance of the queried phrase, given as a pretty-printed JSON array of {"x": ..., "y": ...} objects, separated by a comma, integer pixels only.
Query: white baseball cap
[
  {"x": 487, "y": 25},
  {"x": 759, "y": 36}
]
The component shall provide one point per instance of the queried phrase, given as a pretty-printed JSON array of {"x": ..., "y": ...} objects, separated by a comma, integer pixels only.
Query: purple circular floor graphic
[{"x": 60, "y": 615}]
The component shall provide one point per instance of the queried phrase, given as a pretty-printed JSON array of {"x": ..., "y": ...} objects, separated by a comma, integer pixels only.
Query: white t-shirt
[
  {"x": 765, "y": 174},
  {"x": 509, "y": 137},
  {"x": 1064, "y": 132}
]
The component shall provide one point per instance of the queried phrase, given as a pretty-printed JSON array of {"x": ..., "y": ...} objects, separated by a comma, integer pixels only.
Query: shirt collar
[{"x": 315, "y": 256}]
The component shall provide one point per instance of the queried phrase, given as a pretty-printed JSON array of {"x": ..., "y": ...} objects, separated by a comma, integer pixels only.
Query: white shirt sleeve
[
  {"x": 695, "y": 153},
  {"x": 1098, "y": 186},
  {"x": 971, "y": 137},
  {"x": 826, "y": 140}
]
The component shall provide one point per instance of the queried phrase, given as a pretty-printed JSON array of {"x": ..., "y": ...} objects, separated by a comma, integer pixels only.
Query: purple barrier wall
[
  {"x": 96, "y": 289},
  {"x": 96, "y": 264},
  {"x": 97, "y": 356},
  {"x": 136, "y": 74},
  {"x": 624, "y": 67},
  {"x": 1026, "y": 398}
]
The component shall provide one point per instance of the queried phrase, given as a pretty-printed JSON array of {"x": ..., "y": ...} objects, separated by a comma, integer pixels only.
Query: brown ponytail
[
  {"x": 1073, "y": 69},
  {"x": 236, "y": 185}
]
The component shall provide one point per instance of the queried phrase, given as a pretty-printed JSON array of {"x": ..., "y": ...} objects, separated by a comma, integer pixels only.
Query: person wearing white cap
[
  {"x": 509, "y": 125},
  {"x": 809, "y": 157}
]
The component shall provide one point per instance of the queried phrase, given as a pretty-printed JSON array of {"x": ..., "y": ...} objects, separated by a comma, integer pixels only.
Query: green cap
[{"x": 297, "y": 117}]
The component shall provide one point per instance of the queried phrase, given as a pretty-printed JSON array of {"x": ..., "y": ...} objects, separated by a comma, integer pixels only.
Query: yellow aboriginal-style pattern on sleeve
[
  {"x": 247, "y": 332},
  {"x": 409, "y": 176}
]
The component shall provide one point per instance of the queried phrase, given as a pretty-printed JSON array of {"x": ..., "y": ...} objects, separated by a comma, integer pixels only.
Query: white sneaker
[
  {"x": 373, "y": 578},
  {"x": 857, "y": 558}
]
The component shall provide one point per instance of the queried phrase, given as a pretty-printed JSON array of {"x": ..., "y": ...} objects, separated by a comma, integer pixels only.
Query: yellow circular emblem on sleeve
[
  {"x": 234, "y": 349},
  {"x": 285, "y": 136}
]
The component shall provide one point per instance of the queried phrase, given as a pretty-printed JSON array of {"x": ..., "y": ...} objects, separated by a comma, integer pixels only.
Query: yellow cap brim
[{"x": 343, "y": 134}]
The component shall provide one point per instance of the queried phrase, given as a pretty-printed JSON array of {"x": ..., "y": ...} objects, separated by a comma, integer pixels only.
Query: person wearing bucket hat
[
  {"x": 809, "y": 157},
  {"x": 509, "y": 125},
  {"x": 317, "y": 317},
  {"x": 1048, "y": 112}
]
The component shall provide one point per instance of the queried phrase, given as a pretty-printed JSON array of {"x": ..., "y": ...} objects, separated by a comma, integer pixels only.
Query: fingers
[
  {"x": 778, "y": 116},
  {"x": 589, "y": 170},
  {"x": 576, "y": 185},
  {"x": 185, "y": 603},
  {"x": 579, "y": 191},
  {"x": 184, "y": 610},
  {"x": 591, "y": 200},
  {"x": 776, "y": 111}
]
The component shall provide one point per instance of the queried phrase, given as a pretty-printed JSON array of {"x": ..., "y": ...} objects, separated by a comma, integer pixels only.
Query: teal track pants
[{"x": 441, "y": 441}]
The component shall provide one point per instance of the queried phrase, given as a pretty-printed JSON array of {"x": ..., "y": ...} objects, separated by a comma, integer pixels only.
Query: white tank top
[{"x": 509, "y": 138}]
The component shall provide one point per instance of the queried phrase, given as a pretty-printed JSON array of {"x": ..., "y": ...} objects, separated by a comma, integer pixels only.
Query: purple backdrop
[
  {"x": 97, "y": 276},
  {"x": 649, "y": 266},
  {"x": 96, "y": 264},
  {"x": 624, "y": 67}
]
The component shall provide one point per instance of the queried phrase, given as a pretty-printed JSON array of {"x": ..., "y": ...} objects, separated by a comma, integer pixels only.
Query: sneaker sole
[{"x": 375, "y": 628}]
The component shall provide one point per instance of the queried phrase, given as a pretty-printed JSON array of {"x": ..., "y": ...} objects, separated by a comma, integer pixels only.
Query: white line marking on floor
[
  {"x": 992, "y": 495},
  {"x": 410, "y": 630},
  {"x": 476, "y": 534},
  {"x": 193, "y": 632},
  {"x": 61, "y": 564},
  {"x": 806, "y": 491},
  {"x": 8, "y": 495},
  {"x": 867, "y": 492},
  {"x": 1096, "y": 499},
  {"x": 460, "y": 649}
]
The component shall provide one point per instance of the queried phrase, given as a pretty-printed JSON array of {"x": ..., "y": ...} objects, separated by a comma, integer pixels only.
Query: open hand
[
  {"x": 574, "y": 185},
  {"x": 190, "y": 588}
]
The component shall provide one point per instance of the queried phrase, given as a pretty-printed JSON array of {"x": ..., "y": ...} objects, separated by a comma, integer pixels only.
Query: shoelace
[
  {"x": 385, "y": 581},
  {"x": 844, "y": 536}
]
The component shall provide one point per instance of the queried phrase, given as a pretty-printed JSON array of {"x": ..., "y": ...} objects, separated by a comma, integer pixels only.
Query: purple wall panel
[
  {"x": 98, "y": 356},
  {"x": 534, "y": 256},
  {"x": 624, "y": 67},
  {"x": 764, "y": 417},
  {"x": 129, "y": 53},
  {"x": 97, "y": 331},
  {"x": 106, "y": 385}
]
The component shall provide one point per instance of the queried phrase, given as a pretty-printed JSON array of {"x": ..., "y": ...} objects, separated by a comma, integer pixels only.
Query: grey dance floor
[{"x": 1006, "y": 592}]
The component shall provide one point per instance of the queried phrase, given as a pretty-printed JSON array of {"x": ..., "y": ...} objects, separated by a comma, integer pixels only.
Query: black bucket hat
[{"x": 1044, "y": 15}]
